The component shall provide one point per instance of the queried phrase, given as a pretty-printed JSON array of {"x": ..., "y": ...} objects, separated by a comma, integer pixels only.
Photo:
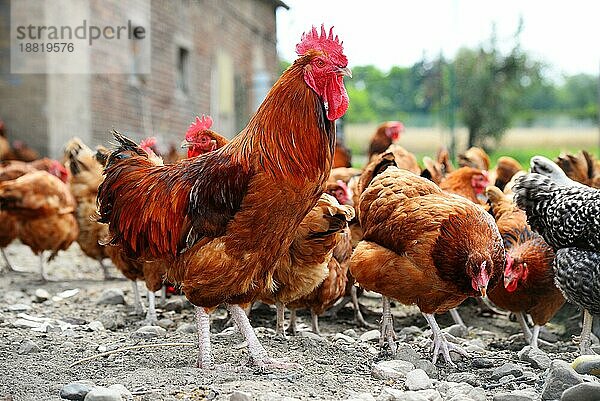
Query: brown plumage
[
  {"x": 424, "y": 246},
  {"x": 468, "y": 182},
  {"x": 581, "y": 168},
  {"x": 506, "y": 168},
  {"x": 21, "y": 151},
  {"x": 474, "y": 157},
  {"x": 44, "y": 210},
  {"x": 342, "y": 157},
  {"x": 386, "y": 134},
  {"x": 529, "y": 277},
  {"x": 233, "y": 213}
]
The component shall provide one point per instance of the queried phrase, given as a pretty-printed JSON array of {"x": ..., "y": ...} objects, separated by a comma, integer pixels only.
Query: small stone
[
  {"x": 241, "y": 396},
  {"x": 28, "y": 347},
  {"x": 41, "y": 295},
  {"x": 174, "y": 304},
  {"x": 26, "y": 324},
  {"x": 506, "y": 379},
  {"x": 461, "y": 391},
  {"x": 166, "y": 323},
  {"x": 112, "y": 296},
  {"x": 582, "y": 392},
  {"x": 187, "y": 328},
  {"x": 104, "y": 394},
  {"x": 95, "y": 325},
  {"x": 427, "y": 366},
  {"x": 535, "y": 356},
  {"x": 507, "y": 369},
  {"x": 406, "y": 353},
  {"x": 112, "y": 321},
  {"x": 482, "y": 363},
  {"x": 350, "y": 333},
  {"x": 421, "y": 395},
  {"x": 587, "y": 364},
  {"x": 515, "y": 396},
  {"x": 411, "y": 331},
  {"x": 457, "y": 330},
  {"x": 390, "y": 394},
  {"x": 560, "y": 377},
  {"x": 18, "y": 307},
  {"x": 311, "y": 335},
  {"x": 68, "y": 333},
  {"x": 149, "y": 332},
  {"x": 466, "y": 377},
  {"x": 394, "y": 369},
  {"x": 68, "y": 344},
  {"x": 370, "y": 335},
  {"x": 76, "y": 391},
  {"x": 344, "y": 338},
  {"x": 125, "y": 394},
  {"x": 417, "y": 380},
  {"x": 361, "y": 397}
]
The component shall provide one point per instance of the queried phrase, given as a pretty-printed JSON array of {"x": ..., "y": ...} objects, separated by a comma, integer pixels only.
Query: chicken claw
[
  {"x": 204, "y": 360},
  {"x": 585, "y": 344},
  {"x": 258, "y": 354},
  {"x": 440, "y": 343},
  {"x": 151, "y": 318},
  {"x": 387, "y": 328}
]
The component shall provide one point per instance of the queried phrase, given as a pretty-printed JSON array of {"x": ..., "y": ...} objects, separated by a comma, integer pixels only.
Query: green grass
[{"x": 523, "y": 155}]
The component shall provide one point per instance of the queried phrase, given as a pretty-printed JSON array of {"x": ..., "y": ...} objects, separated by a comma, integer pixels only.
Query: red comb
[
  {"x": 200, "y": 124},
  {"x": 147, "y": 143},
  {"x": 329, "y": 44}
]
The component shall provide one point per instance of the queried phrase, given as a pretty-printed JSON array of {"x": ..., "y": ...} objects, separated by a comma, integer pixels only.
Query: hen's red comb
[
  {"x": 200, "y": 124},
  {"x": 329, "y": 44}
]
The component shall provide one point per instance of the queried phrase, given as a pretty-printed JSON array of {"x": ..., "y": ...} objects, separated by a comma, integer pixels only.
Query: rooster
[
  {"x": 567, "y": 217},
  {"x": 426, "y": 247},
  {"x": 528, "y": 275},
  {"x": 386, "y": 134},
  {"x": 200, "y": 139},
  {"x": 233, "y": 213},
  {"x": 43, "y": 208}
]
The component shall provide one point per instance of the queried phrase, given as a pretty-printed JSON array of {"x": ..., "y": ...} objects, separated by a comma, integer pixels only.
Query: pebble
[
  {"x": 582, "y": 392},
  {"x": 344, "y": 338},
  {"x": 560, "y": 377},
  {"x": 68, "y": 333},
  {"x": 41, "y": 295},
  {"x": 68, "y": 344},
  {"x": 390, "y": 394},
  {"x": 406, "y": 353},
  {"x": 241, "y": 396},
  {"x": 507, "y": 369},
  {"x": 175, "y": 304},
  {"x": 462, "y": 391},
  {"x": 104, "y": 394},
  {"x": 28, "y": 347},
  {"x": 112, "y": 296},
  {"x": 361, "y": 397},
  {"x": 18, "y": 307},
  {"x": 311, "y": 335},
  {"x": 394, "y": 369},
  {"x": 149, "y": 332},
  {"x": 350, "y": 333},
  {"x": 587, "y": 364},
  {"x": 466, "y": 377},
  {"x": 427, "y": 366},
  {"x": 95, "y": 325},
  {"x": 370, "y": 335},
  {"x": 482, "y": 363},
  {"x": 535, "y": 356},
  {"x": 457, "y": 330},
  {"x": 111, "y": 320},
  {"x": 411, "y": 331},
  {"x": 125, "y": 394},
  {"x": 166, "y": 323},
  {"x": 418, "y": 380},
  {"x": 187, "y": 328},
  {"x": 76, "y": 391},
  {"x": 517, "y": 395}
]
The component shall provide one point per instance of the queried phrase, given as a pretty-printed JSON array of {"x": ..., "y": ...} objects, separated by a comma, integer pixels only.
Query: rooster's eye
[{"x": 320, "y": 63}]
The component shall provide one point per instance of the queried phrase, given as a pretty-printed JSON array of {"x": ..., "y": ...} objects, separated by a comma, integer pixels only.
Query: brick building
[{"x": 207, "y": 56}]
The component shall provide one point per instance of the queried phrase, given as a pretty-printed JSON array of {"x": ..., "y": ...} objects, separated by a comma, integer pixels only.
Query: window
[{"x": 183, "y": 69}]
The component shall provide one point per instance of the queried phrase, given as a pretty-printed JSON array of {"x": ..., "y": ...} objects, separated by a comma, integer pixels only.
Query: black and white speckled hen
[
  {"x": 566, "y": 216},
  {"x": 577, "y": 274}
]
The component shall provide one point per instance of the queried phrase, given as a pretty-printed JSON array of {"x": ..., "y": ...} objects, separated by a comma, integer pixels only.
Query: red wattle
[{"x": 336, "y": 98}]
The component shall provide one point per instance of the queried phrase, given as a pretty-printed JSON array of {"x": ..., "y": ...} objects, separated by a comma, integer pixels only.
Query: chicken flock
[{"x": 278, "y": 215}]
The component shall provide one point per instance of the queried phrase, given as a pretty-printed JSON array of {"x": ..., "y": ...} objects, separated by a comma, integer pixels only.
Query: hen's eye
[{"x": 320, "y": 63}]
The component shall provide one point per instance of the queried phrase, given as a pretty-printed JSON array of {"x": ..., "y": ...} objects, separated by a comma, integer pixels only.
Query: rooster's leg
[
  {"x": 440, "y": 343},
  {"x": 107, "y": 275},
  {"x": 205, "y": 360},
  {"x": 358, "y": 317},
  {"x": 522, "y": 319},
  {"x": 315, "y": 322},
  {"x": 293, "y": 328},
  {"x": 6, "y": 261},
  {"x": 585, "y": 344},
  {"x": 163, "y": 295},
  {"x": 387, "y": 327},
  {"x": 151, "y": 318},
  {"x": 137, "y": 299},
  {"x": 333, "y": 311},
  {"x": 258, "y": 353},
  {"x": 534, "y": 336},
  {"x": 279, "y": 329},
  {"x": 457, "y": 319},
  {"x": 43, "y": 273}
]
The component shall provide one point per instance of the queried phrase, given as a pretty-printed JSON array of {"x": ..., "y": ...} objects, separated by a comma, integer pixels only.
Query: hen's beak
[
  {"x": 186, "y": 144},
  {"x": 345, "y": 71},
  {"x": 483, "y": 291}
]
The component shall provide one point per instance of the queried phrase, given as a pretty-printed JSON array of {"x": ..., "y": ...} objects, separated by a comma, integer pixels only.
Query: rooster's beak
[
  {"x": 186, "y": 144},
  {"x": 345, "y": 71}
]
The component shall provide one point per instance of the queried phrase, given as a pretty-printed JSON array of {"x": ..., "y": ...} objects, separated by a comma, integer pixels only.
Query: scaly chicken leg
[
  {"x": 358, "y": 317},
  {"x": 43, "y": 273},
  {"x": 585, "y": 343},
  {"x": 107, "y": 275},
  {"x": 6, "y": 261},
  {"x": 387, "y": 327},
  {"x": 293, "y": 327},
  {"x": 315, "y": 322},
  {"x": 279, "y": 329},
  {"x": 205, "y": 360},
  {"x": 457, "y": 319},
  {"x": 151, "y": 317},
  {"x": 137, "y": 299},
  {"x": 440, "y": 343},
  {"x": 257, "y": 352}
]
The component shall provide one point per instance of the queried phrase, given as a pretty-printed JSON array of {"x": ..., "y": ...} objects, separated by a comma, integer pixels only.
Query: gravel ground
[{"x": 35, "y": 364}]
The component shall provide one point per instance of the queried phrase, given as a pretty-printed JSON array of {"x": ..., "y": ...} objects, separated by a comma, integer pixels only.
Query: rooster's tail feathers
[{"x": 124, "y": 150}]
